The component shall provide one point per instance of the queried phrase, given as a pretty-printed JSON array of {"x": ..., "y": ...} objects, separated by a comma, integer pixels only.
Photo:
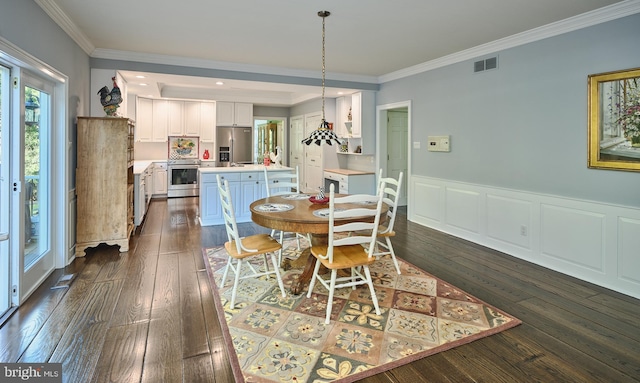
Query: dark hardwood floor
[{"x": 148, "y": 315}]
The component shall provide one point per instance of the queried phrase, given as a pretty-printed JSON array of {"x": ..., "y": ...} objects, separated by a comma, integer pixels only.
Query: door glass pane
[{"x": 35, "y": 174}]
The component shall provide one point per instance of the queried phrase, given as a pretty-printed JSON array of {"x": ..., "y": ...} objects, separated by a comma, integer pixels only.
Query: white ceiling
[{"x": 366, "y": 41}]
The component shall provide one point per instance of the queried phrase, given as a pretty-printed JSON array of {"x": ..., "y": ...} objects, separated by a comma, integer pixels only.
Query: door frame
[{"x": 381, "y": 142}]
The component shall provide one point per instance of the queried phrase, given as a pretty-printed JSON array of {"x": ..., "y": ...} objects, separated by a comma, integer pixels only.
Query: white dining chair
[
  {"x": 354, "y": 251},
  {"x": 282, "y": 183},
  {"x": 242, "y": 248},
  {"x": 391, "y": 194}
]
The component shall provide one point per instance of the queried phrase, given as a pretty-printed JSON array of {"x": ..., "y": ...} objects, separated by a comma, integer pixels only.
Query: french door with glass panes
[{"x": 26, "y": 256}]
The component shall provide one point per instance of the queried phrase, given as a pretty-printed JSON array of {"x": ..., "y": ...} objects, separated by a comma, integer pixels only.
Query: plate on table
[
  {"x": 295, "y": 196},
  {"x": 324, "y": 213},
  {"x": 322, "y": 201},
  {"x": 274, "y": 207}
]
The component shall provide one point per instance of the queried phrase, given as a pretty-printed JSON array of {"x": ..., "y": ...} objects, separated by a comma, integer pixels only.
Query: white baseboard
[{"x": 592, "y": 241}]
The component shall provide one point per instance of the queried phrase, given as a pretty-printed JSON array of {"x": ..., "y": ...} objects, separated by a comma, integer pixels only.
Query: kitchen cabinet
[
  {"x": 104, "y": 182},
  {"x": 160, "y": 120},
  {"x": 207, "y": 121},
  {"x": 160, "y": 179},
  {"x": 175, "y": 118},
  {"x": 144, "y": 119},
  {"x": 350, "y": 181},
  {"x": 234, "y": 114},
  {"x": 142, "y": 193},
  {"x": 247, "y": 184},
  {"x": 358, "y": 135}
]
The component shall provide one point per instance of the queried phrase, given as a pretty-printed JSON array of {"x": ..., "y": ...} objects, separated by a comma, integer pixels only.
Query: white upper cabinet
[
  {"x": 159, "y": 120},
  {"x": 207, "y": 121},
  {"x": 192, "y": 118},
  {"x": 144, "y": 119},
  {"x": 175, "y": 118},
  {"x": 234, "y": 114},
  {"x": 357, "y": 135}
]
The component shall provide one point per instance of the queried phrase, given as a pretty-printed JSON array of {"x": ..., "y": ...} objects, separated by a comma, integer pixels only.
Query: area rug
[{"x": 275, "y": 339}]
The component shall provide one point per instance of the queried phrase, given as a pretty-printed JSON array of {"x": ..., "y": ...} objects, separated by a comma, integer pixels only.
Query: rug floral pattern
[{"x": 278, "y": 339}]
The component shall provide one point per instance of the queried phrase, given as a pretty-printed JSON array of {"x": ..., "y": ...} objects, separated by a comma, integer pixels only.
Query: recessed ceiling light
[
  {"x": 219, "y": 83},
  {"x": 143, "y": 84},
  {"x": 340, "y": 92},
  {"x": 140, "y": 76}
]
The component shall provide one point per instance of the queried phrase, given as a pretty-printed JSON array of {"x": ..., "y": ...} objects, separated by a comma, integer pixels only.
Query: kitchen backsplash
[{"x": 159, "y": 150}]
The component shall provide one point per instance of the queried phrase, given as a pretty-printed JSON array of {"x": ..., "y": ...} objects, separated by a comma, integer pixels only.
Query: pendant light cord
[{"x": 324, "y": 15}]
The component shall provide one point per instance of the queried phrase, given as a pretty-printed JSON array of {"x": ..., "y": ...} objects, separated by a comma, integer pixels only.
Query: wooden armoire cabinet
[{"x": 104, "y": 182}]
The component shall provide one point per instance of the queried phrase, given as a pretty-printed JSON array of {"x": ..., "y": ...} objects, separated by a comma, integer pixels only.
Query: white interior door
[
  {"x": 313, "y": 172},
  {"x": 397, "y": 138},
  {"x": 5, "y": 190},
  {"x": 296, "y": 152}
]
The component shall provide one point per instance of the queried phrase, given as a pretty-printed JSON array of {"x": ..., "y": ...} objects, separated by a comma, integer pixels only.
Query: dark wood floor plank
[
  {"x": 199, "y": 369},
  {"x": 593, "y": 340},
  {"x": 80, "y": 346},
  {"x": 45, "y": 342},
  {"x": 122, "y": 354},
  {"x": 163, "y": 359},
  {"x": 137, "y": 294},
  {"x": 194, "y": 339}
]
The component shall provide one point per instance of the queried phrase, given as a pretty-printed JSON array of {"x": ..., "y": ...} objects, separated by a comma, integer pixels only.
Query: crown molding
[
  {"x": 59, "y": 17},
  {"x": 598, "y": 16}
]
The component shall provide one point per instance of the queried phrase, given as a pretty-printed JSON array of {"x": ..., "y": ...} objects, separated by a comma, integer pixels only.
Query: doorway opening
[
  {"x": 393, "y": 144},
  {"x": 269, "y": 134}
]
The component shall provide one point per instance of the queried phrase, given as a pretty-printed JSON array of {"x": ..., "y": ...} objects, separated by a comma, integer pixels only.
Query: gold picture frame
[{"x": 614, "y": 120}]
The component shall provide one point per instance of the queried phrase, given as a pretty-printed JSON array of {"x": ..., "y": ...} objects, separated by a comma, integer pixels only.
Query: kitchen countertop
[
  {"x": 236, "y": 169},
  {"x": 348, "y": 172},
  {"x": 139, "y": 166}
]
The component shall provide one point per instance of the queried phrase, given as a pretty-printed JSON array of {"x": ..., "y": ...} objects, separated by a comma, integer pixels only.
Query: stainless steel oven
[{"x": 183, "y": 178}]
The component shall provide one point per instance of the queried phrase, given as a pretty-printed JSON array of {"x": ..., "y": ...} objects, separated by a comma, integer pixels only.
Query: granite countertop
[
  {"x": 240, "y": 169},
  {"x": 348, "y": 172}
]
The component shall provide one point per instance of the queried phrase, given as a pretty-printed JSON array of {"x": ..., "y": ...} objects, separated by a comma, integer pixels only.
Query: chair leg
[
  {"x": 313, "y": 278},
  {"x": 393, "y": 254},
  {"x": 281, "y": 248},
  {"x": 226, "y": 271},
  {"x": 374, "y": 297},
  {"x": 332, "y": 289},
  {"x": 277, "y": 272},
  {"x": 235, "y": 284}
]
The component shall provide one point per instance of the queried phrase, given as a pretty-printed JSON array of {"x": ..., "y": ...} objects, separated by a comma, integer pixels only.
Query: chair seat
[
  {"x": 264, "y": 243},
  {"x": 382, "y": 232},
  {"x": 344, "y": 256}
]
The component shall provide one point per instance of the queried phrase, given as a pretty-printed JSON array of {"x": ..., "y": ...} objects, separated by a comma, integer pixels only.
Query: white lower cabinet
[
  {"x": 160, "y": 179},
  {"x": 246, "y": 186}
]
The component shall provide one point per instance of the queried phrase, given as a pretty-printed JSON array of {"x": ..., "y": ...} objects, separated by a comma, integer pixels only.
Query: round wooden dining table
[{"x": 299, "y": 219}]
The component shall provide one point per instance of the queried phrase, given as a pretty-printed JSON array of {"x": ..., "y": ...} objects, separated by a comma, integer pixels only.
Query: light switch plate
[{"x": 416, "y": 144}]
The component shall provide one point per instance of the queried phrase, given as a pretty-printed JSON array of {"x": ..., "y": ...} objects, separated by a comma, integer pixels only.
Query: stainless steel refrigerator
[{"x": 233, "y": 145}]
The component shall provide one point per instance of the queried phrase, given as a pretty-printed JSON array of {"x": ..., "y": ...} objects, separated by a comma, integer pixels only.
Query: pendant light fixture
[{"x": 323, "y": 133}]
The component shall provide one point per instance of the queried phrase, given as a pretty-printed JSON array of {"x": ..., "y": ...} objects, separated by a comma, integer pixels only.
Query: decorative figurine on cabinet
[{"x": 110, "y": 100}]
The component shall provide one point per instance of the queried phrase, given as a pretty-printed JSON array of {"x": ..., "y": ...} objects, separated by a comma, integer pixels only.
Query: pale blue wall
[{"x": 524, "y": 125}]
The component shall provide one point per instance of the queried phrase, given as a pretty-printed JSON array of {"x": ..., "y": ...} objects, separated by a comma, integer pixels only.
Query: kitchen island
[{"x": 247, "y": 184}]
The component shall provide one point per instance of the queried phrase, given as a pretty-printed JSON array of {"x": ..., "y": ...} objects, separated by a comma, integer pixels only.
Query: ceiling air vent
[{"x": 486, "y": 64}]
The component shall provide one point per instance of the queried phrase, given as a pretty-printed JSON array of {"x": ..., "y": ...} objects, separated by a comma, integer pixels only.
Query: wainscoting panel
[
  {"x": 575, "y": 236},
  {"x": 461, "y": 209},
  {"x": 431, "y": 204},
  {"x": 629, "y": 254},
  {"x": 509, "y": 220},
  {"x": 596, "y": 242}
]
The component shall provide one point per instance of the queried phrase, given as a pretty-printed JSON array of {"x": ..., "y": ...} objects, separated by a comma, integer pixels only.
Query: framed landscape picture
[{"x": 614, "y": 120}]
